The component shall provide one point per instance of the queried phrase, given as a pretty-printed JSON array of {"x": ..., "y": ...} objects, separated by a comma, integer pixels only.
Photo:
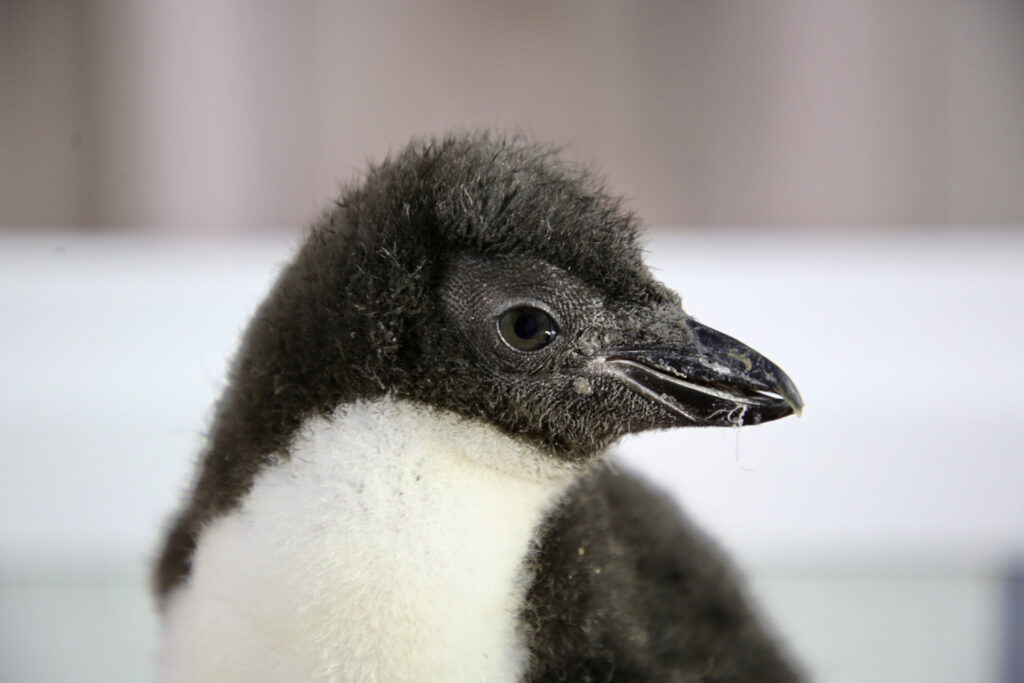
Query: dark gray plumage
[{"x": 411, "y": 287}]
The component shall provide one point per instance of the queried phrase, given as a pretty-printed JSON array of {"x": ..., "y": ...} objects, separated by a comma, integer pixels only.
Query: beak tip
[{"x": 791, "y": 395}]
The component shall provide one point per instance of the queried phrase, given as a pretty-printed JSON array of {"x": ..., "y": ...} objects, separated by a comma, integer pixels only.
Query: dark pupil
[
  {"x": 526, "y": 325},
  {"x": 527, "y": 328}
]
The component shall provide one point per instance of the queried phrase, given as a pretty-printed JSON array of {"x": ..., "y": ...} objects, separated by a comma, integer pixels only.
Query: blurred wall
[{"x": 241, "y": 114}]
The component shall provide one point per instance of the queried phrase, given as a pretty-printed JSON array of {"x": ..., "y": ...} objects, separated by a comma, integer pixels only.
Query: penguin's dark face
[{"x": 551, "y": 358}]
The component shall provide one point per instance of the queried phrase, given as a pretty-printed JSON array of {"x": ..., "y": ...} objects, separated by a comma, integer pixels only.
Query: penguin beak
[{"x": 707, "y": 378}]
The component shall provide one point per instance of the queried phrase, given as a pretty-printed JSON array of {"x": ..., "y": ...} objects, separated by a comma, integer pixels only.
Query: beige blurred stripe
[{"x": 243, "y": 114}]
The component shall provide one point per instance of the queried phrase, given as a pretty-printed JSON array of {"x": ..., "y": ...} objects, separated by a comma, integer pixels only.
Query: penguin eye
[{"x": 527, "y": 328}]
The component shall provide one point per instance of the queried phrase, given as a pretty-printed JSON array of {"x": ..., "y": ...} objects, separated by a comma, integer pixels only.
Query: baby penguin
[{"x": 407, "y": 478}]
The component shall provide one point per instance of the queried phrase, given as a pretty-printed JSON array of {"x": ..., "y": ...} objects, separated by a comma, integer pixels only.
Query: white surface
[
  {"x": 114, "y": 351},
  {"x": 908, "y": 458},
  {"x": 76, "y": 631},
  {"x": 907, "y": 350},
  {"x": 940, "y": 628}
]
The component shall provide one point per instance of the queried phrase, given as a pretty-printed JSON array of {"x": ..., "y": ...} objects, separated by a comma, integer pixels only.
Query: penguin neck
[
  {"x": 395, "y": 533},
  {"x": 384, "y": 432}
]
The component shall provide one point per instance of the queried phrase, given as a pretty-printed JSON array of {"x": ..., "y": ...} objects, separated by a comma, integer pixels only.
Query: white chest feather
[{"x": 388, "y": 546}]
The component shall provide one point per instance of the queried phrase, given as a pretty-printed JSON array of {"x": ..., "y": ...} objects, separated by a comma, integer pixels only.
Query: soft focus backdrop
[
  {"x": 838, "y": 183},
  {"x": 238, "y": 114}
]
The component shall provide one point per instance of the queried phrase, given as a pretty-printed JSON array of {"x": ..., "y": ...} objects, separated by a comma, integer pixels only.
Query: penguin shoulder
[{"x": 624, "y": 584}]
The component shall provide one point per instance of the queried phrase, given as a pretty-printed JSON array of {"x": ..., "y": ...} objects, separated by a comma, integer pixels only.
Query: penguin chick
[{"x": 406, "y": 478}]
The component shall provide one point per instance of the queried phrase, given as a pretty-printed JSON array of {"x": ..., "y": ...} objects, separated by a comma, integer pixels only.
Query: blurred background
[{"x": 838, "y": 183}]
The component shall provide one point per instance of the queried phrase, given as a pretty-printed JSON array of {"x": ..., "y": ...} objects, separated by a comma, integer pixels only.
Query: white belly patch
[{"x": 387, "y": 546}]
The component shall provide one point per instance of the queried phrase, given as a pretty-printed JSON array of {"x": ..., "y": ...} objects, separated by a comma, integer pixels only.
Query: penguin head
[{"x": 486, "y": 277}]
